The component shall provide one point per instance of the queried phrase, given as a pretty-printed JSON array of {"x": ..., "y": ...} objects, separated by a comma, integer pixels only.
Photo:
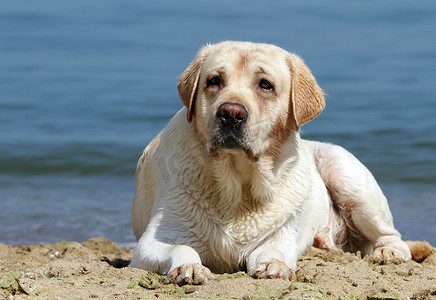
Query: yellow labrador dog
[{"x": 229, "y": 184}]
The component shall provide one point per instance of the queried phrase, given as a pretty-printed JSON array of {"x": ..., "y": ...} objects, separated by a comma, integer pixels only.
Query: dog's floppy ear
[
  {"x": 188, "y": 81},
  {"x": 307, "y": 98}
]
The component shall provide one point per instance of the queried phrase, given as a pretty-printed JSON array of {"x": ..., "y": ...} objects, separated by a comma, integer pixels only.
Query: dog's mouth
[
  {"x": 231, "y": 143},
  {"x": 230, "y": 139}
]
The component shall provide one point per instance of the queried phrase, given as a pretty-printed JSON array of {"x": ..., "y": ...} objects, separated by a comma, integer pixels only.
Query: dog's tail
[{"x": 420, "y": 250}]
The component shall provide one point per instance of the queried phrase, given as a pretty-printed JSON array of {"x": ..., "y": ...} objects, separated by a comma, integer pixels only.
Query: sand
[{"x": 98, "y": 269}]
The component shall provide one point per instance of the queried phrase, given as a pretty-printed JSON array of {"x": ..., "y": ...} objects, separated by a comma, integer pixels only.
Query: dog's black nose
[{"x": 231, "y": 114}]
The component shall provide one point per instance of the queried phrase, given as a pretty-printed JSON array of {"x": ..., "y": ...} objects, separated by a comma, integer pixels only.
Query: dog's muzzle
[{"x": 231, "y": 118}]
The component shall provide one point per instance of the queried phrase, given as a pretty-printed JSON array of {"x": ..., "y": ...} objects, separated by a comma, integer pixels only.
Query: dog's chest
[
  {"x": 246, "y": 220},
  {"x": 243, "y": 215},
  {"x": 250, "y": 225},
  {"x": 230, "y": 241}
]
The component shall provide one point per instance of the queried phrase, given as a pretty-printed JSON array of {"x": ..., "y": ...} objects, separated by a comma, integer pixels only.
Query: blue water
[{"x": 85, "y": 86}]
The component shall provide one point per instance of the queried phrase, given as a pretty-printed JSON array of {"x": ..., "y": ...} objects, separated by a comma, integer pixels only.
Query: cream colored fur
[{"x": 199, "y": 205}]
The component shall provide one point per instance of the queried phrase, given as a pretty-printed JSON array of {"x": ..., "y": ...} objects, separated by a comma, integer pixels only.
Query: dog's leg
[
  {"x": 359, "y": 199},
  {"x": 181, "y": 263}
]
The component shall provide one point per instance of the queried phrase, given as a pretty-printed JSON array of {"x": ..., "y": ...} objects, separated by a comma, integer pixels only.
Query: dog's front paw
[
  {"x": 190, "y": 274},
  {"x": 272, "y": 269}
]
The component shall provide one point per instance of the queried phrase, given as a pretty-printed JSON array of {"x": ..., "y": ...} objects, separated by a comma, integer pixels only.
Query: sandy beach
[{"x": 98, "y": 268}]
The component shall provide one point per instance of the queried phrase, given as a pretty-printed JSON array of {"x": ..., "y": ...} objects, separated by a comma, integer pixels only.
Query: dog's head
[{"x": 249, "y": 97}]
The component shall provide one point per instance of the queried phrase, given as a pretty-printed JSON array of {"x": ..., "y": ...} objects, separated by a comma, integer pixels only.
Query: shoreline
[{"x": 98, "y": 268}]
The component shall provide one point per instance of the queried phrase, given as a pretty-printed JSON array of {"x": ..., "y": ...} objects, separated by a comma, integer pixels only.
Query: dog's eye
[
  {"x": 266, "y": 85},
  {"x": 214, "y": 81}
]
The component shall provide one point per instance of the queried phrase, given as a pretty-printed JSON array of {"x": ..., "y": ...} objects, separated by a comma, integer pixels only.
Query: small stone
[
  {"x": 28, "y": 286},
  {"x": 190, "y": 290}
]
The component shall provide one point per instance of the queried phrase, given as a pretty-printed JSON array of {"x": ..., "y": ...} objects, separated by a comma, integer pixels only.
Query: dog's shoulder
[{"x": 175, "y": 152}]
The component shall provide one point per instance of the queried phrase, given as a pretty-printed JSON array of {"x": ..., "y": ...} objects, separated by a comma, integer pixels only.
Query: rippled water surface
[{"x": 84, "y": 86}]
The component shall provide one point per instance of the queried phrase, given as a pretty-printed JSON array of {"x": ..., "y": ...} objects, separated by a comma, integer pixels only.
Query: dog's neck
[{"x": 244, "y": 184}]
